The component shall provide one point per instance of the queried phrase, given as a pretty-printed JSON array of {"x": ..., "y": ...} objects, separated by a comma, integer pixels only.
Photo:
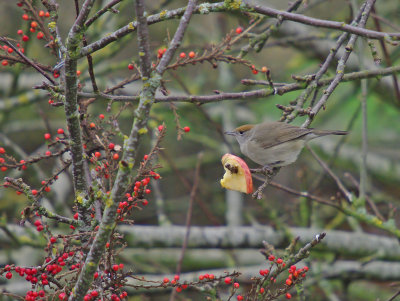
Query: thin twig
[
  {"x": 386, "y": 54},
  {"x": 371, "y": 203},
  {"x": 26, "y": 59},
  {"x": 339, "y": 183},
  {"x": 188, "y": 219},
  {"x": 260, "y": 93}
]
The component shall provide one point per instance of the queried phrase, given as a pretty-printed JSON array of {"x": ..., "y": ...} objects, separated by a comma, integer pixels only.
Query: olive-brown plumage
[{"x": 275, "y": 143}]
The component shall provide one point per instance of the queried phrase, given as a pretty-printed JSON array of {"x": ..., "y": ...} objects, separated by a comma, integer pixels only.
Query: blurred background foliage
[{"x": 285, "y": 55}]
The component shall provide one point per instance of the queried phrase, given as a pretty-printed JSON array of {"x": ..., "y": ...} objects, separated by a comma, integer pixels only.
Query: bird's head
[{"x": 242, "y": 133}]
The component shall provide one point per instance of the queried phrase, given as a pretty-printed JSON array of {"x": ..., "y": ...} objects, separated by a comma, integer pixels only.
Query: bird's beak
[{"x": 232, "y": 133}]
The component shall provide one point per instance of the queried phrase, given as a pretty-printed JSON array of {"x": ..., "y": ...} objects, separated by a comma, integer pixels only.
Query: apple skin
[{"x": 242, "y": 171}]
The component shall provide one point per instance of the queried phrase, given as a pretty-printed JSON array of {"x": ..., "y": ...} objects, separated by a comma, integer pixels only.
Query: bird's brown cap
[{"x": 244, "y": 128}]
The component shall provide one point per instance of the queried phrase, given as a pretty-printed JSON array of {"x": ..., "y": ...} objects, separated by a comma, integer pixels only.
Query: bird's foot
[{"x": 265, "y": 170}]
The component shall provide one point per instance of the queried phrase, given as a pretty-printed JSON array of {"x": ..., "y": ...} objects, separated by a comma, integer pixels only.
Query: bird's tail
[{"x": 328, "y": 132}]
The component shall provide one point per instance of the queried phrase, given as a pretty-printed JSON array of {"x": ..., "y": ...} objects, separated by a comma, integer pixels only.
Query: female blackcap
[{"x": 275, "y": 144}]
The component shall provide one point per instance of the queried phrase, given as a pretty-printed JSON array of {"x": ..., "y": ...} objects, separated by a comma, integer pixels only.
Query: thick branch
[{"x": 206, "y": 8}]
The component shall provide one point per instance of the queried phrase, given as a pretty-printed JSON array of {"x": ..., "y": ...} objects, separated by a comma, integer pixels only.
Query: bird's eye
[{"x": 241, "y": 132}]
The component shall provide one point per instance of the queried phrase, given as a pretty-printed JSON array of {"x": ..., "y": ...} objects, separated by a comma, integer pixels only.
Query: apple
[{"x": 237, "y": 174}]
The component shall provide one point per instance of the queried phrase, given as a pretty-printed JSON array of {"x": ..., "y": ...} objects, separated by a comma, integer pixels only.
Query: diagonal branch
[
  {"x": 151, "y": 82},
  {"x": 341, "y": 65}
]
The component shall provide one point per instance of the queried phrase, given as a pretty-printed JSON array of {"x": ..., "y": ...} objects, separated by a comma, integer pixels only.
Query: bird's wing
[{"x": 276, "y": 133}]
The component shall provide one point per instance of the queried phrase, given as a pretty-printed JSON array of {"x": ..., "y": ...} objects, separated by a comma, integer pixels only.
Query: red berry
[
  {"x": 178, "y": 289},
  {"x": 182, "y": 55},
  {"x": 236, "y": 285},
  {"x": 87, "y": 298},
  {"x": 165, "y": 280},
  {"x": 228, "y": 280},
  {"x": 288, "y": 296},
  {"x": 53, "y": 239},
  {"x": 160, "y": 128},
  {"x": 4, "y": 62},
  {"x": 115, "y": 267},
  {"x": 115, "y": 156},
  {"x": 25, "y": 17},
  {"x": 254, "y": 71},
  {"x": 20, "y": 32},
  {"x": 101, "y": 116},
  {"x": 264, "y": 69},
  {"x": 2, "y": 150},
  {"x": 130, "y": 67},
  {"x": 279, "y": 261},
  {"x": 62, "y": 296},
  {"x": 145, "y": 202},
  {"x": 262, "y": 290},
  {"x": 97, "y": 154},
  {"x": 41, "y": 13},
  {"x": 47, "y": 189},
  {"x": 239, "y": 30},
  {"x": 186, "y": 129},
  {"x": 78, "y": 72},
  {"x": 96, "y": 275},
  {"x": 239, "y": 297},
  {"x": 94, "y": 293},
  {"x": 147, "y": 191},
  {"x": 192, "y": 54},
  {"x": 47, "y": 136},
  {"x": 3, "y": 168},
  {"x": 47, "y": 14},
  {"x": 176, "y": 277},
  {"x": 92, "y": 125},
  {"x": 25, "y": 38},
  {"x": 48, "y": 153},
  {"x": 34, "y": 191},
  {"x": 60, "y": 131},
  {"x": 76, "y": 215},
  {"x": 111, "y": 146},
  {"x": 10, "y": 50},
  {"x": 9, "y": 275},
  {"x": 288, "y": 282},
  {"x": 271, "y": 257}
]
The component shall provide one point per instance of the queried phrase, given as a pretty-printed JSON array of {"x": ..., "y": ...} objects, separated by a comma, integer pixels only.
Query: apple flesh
[{"x": 237, "y": 174}]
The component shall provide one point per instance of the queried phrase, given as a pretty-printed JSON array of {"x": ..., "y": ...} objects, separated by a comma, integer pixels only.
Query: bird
[{"x": 275, "y": 144}]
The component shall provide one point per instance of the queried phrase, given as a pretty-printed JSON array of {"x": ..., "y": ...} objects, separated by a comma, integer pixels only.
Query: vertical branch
[
  {"x": 151, "y": 82},
  {"x": 364, "y": 92},
  {"x": 143, "y": 40},
  {"x": 363, "y": 169},
  {"x": 79, "y": 172}
]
